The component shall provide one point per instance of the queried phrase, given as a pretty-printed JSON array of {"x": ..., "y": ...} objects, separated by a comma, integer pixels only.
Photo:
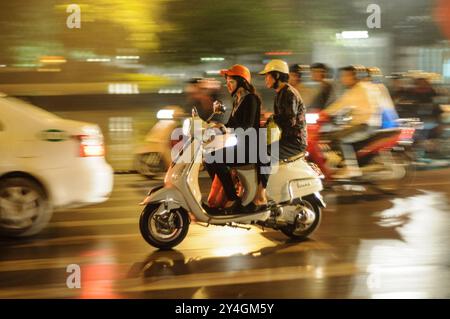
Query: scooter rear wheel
[
  {"x": 163, "y": 230},
  {"x": 293, "y": 233}
]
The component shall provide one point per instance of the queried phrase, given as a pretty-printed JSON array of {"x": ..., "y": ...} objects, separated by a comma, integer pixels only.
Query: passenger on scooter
[
  {"x": 360, "y": 100},
  {"x": 245, "y": 115},
  {"x": 289, "y": 115}
]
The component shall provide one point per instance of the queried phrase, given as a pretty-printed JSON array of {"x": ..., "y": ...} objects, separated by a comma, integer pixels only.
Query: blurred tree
[
  {"x": 112, "y": 26},
  {"x": 200, "y": 27},
  {"x": 27, "y": 31},
  {"x": 30, "y": 29},
  {"x": 179, "y": 30}
]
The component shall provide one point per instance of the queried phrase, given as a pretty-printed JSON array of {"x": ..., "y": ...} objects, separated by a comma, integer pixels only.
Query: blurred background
[
  {"x": 134, "y": 64},
  {"x": 130, "y": 58}
]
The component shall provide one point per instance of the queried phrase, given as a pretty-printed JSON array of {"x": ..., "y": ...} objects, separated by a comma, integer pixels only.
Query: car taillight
[{"x": 91, "y": 145}]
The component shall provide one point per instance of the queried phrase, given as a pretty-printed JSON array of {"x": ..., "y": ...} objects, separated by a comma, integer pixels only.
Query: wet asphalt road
[{"x": 368, "y": 246}]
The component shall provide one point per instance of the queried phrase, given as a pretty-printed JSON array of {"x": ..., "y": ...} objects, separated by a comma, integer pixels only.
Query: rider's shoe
[{"x": 236, "y": 208}]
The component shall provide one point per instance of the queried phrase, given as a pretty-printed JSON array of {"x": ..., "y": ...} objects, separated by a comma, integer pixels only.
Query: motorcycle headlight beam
[
  {"x": 231, "y": 141},
  {"x": 311, "y": 118},
  {"x": 165, "y": 114},
  {"x": 187, "y": 127}
]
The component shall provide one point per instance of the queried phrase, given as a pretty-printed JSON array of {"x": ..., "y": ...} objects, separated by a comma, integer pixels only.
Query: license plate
[{"x": 316, "y": 169}]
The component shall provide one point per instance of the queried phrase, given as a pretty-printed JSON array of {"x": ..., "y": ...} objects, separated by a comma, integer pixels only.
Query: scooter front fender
[
  {"x": 167, "y": 195},
  {"x": 317, "y": 198}
]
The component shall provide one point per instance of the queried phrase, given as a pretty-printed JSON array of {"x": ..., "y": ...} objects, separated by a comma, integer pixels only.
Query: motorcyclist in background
[
  {"x": 397, "y": 88},
  {"x": 423, "y": 91},
  {"x": 388, "y": 112},
  {"x": 325, "y": 94},
  {"x": 360, "y": 101},
  {"x": 297, "y": 74},
  {"x": 202, "y": 93},
  {"x": 423, "y": 95}
]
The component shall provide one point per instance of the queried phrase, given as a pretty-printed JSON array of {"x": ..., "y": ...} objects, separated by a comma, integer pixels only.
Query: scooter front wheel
[{"x": 163, "y": 229}]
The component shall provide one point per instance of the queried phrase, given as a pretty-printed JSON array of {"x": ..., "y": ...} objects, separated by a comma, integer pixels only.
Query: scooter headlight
[
  {"x": 231, "y": 141},
  {"x": 208, "y": 135},
  {"x": 187, "y": 123}
]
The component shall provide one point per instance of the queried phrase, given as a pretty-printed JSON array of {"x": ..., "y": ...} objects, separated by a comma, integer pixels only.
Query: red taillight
[
  {"x": 407, "y": 134},
  {"x": 91, "y": 145}
]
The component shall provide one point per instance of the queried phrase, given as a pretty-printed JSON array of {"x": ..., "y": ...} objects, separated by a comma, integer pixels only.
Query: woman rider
[{"x": 245, "y": 115}]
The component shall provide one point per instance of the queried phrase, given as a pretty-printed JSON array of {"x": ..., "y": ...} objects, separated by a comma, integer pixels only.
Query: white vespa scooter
[{"x": 293, "y": 190}]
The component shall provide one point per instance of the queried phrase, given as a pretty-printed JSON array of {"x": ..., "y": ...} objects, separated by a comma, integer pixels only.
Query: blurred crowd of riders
[{"x": 412, "y": 94}]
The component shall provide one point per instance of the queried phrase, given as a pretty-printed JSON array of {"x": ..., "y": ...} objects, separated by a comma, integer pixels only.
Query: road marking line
[
  {"x": 95, "y": 222},
  {"x": 429, "y": 184},
  {"x": 77, "y": 239},
  {"x": 251, "y": 276}
]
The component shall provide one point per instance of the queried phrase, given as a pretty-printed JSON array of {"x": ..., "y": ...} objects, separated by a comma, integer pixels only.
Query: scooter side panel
[
  {"x": 244, "y": 219},
  {"x": 301, "y": 178},
  {"x": 249, "y": 181}
]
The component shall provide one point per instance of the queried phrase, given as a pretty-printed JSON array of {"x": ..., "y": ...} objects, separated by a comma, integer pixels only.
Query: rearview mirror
[
  {"x": 194, "y": 112},
  {"x": 219, "y": 107}
]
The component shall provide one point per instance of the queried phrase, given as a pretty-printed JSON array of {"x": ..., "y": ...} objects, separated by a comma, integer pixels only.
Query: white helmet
[{"x": 276, "y": 65}]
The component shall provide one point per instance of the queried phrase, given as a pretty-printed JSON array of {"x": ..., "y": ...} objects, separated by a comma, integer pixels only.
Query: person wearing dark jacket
[
  {"x": 244, "y": 118},
  {"x": 289, "y": 115},
  {"x": 325, "y": 94}
]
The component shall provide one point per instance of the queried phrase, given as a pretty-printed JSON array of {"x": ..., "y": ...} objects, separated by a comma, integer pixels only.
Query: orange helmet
[{"x": 238, "y": 70}]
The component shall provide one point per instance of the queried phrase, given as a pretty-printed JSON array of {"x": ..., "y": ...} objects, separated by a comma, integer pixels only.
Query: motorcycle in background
[
  {"x": 384, "y": 158},
  {"x": 153, "y": 157}
]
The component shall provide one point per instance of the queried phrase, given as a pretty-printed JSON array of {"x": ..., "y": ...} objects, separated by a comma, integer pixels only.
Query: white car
[{"x": 46, "y": 162}]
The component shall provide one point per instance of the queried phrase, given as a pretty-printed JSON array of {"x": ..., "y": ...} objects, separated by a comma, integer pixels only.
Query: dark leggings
[
  {"x": 222, "y": 170},
  {"x": 223, "y": 173}
]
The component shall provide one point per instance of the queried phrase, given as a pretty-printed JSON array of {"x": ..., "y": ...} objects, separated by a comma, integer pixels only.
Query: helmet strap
[
  {"x": 276, "y": 77},
  {"x": 238, "y": 86}
]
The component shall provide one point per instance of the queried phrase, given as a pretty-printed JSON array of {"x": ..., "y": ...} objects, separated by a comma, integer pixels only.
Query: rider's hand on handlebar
[
  {"x": 218, "y": 107},
  {"x": 221, "y": 127}
]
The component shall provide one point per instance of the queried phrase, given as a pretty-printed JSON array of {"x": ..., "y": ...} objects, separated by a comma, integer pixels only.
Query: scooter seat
[
  {"x": 244, "y": 167},
  {"x": 294, "y": 158}
]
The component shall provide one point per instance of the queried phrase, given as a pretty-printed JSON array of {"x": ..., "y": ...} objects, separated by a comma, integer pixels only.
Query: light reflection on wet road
[{"x": 368, "y": 246}]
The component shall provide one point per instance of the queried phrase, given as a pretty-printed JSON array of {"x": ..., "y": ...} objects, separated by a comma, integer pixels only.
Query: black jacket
[
  {"x": 245, "y": 115},
  {"x": 323, "y": 98},
  {"x": 289, "y": 115}
]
